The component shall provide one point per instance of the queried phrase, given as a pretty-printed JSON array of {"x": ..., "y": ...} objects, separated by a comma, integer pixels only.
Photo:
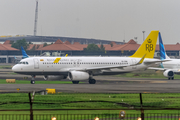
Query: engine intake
[
  {"x": 168, "y": 73},
  {"x": 77, "y": 75}
]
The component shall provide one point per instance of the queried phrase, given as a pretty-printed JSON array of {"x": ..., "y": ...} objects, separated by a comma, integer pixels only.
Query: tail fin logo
[
  {"x": 149, "y": 47},
  {"x": 149, "y": 41}
]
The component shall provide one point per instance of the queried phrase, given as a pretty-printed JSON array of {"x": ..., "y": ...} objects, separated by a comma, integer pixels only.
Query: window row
[{"x": 84, "y": 63}]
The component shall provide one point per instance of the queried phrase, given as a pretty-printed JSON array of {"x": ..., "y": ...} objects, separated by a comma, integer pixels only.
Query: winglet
[
  {"x": 66, "y": 55},
  {"x": 142, "y": 59},
  {"x": 24, "y": 53}
]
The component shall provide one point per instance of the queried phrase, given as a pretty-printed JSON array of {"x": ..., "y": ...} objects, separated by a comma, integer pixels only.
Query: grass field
[
  {"x": 5, "y": 66},
  {"x": 89, "y": 101},
  {"x": 3, "y": 81}
]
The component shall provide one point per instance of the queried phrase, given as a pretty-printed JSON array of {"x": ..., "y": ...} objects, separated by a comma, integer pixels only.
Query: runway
[{"x": 105, "y": 84}]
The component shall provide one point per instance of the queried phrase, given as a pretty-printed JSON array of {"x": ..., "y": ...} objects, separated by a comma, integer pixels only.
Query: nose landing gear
[{"x": 33, "y": 79}]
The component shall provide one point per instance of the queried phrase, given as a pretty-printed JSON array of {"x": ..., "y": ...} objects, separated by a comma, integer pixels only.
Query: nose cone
[{"x": 14, "y": 68}]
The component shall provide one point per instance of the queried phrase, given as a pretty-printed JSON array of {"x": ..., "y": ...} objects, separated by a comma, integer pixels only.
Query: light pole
[{"x": 143, "y": 35}]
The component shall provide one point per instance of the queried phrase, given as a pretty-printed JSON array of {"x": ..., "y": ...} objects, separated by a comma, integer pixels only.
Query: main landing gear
[
  {"x": 92, "y": 81},
  {"x": 75, "y": 82},
  {"x": 33, "y": 79},
  {"x": 170, "y": 78}
]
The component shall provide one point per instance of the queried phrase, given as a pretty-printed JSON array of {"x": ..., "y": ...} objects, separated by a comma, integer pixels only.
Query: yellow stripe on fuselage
[{"x": 57, "y": 60}]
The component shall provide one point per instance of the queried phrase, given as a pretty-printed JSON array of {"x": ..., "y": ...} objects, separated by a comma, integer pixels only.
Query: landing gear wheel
[
  {"x": 92, "y": 81},
  {"x": 169, "y": 78},
  {"x": 75, "y": 82},
  {"x": 172, "y": 78},
  {"x": 32, "y": 81}
]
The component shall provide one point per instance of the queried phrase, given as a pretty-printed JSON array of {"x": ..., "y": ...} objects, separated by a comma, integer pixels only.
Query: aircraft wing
[
  {"x": 154, "y": 68},
  {"x": 177, "y": 71},
  {"x": 155, "y": 61}
]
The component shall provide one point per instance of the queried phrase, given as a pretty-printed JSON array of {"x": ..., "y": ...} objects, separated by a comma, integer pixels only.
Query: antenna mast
[{"x": 36, "y": 17}]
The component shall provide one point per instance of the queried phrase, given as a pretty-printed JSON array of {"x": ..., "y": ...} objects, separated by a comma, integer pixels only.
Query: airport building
[{"x": 73, "y": 47}]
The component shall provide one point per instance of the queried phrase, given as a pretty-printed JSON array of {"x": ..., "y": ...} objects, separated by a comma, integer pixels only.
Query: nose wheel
[{"x": 33, "y": 79}]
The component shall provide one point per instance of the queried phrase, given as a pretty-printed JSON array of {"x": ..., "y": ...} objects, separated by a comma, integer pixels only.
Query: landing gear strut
[
  {"x": 92, "y": 81},
  {"x": 33, "y": 79},
  {"x": 170, "y": 78}
]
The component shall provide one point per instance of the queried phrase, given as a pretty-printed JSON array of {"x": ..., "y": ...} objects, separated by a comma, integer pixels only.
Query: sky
[{"x": 114, "y": 20}]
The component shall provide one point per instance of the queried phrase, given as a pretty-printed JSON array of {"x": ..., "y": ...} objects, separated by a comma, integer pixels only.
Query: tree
[
  {"x": 111, "y": 44},
  {"x": 30, "y": 42},
  {"x": 45, "y": 44},
  {"x": 20, "y": 43},
  {"x": 102, "y": 48},
  {"x": 92, "y": 48}
]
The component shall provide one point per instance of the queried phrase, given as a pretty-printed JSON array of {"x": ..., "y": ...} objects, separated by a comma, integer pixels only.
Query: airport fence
[
  {"x": 89, "y": 117},
  {"x": 87, "y": 106}
]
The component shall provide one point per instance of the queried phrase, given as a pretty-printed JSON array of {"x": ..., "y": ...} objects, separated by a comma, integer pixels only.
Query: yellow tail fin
[{"x": 148, "y": 46}]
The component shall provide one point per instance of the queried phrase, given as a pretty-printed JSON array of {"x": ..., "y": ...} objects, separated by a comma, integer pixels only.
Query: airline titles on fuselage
[{"x": 51, "y": 61}]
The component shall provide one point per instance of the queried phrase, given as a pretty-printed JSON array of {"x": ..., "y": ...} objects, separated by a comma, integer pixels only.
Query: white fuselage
[
  {"x": 173, "y": 65},
  {"x": 46, "y": 65}
]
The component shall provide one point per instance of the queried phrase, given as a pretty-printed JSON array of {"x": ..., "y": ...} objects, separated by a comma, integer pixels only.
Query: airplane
[
  {"x": 84, "y": 68},
  {"x": 46, "y": 77},
  {"x": 171, "y": 67}
]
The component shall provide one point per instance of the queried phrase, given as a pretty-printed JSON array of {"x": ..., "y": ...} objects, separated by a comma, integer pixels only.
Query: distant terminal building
[
  {"x": 52, "y": 39},
  {"x": 59, "y": 46}
]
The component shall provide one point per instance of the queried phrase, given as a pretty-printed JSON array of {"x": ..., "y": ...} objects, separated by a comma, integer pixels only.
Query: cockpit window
[{"x": 23, "y": 63}]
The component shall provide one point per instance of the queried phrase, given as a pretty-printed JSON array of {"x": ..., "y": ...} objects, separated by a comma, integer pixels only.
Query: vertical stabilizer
[
  {"x": 163, "y": 54},
  {"x": 148, "y": 46},
  {"x": 24, "y": 55}
]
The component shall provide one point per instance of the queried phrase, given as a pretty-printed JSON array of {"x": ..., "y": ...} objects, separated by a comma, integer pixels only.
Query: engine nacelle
[
  {"x": 77, "y": 75},
  {"x": 53, "y": 77},
  {"x": 168, "y": 73}
]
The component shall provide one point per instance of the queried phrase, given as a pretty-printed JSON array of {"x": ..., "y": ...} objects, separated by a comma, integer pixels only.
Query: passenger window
[{"x": 27, "y": 63}]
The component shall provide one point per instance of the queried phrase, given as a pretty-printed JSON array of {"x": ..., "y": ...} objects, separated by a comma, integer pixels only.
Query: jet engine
[
  {"x": 168, "y": 73},
  {"x": 53, "y": 77},
  {"x": 77, "y": 75}
]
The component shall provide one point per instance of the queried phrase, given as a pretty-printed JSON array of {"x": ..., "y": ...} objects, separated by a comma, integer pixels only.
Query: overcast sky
[{"x": 114, "y": 20}]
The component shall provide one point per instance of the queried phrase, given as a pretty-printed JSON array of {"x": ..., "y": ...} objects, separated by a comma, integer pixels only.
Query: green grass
[
  {"x": 5, "y": 67},
  {"x": 3, "y": 81},
  {"x": 88, "y": 101}
]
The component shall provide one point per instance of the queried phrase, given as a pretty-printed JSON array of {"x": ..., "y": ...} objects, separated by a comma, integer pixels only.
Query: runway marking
[{"x": 158, "y": 82}]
